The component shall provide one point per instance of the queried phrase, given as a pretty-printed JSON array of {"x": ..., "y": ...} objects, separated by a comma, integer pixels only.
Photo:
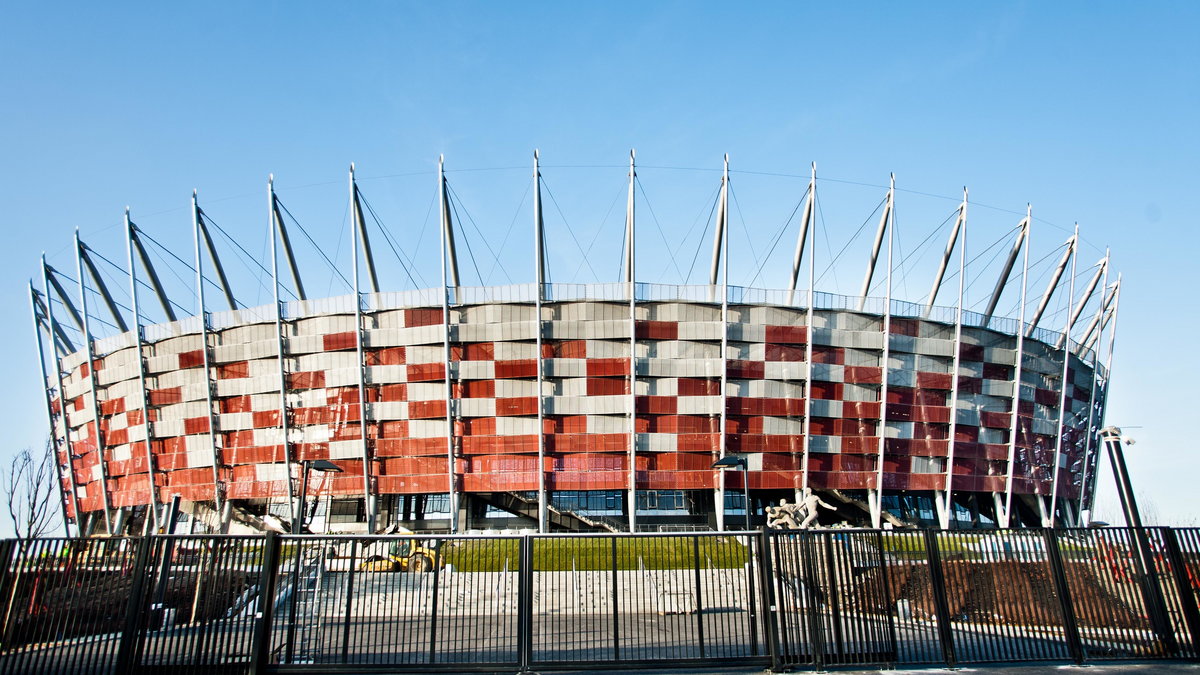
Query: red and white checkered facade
[{"x": 585, "y": 365}]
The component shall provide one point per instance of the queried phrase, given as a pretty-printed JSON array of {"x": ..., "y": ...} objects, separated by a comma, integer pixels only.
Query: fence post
[
  {"x": 699, "y": 597},
  {"x": 810, "y": 586},
  {"x": 938, "y": 582},
  {"x": 131, "y": 634},
  {"x": 770, "y": 610},
  {"x": 616, "y": 612},
  {"x": 433, "y": 613},
  {"x": 834, "y": 600},
  {"x": 1063, "y": 589},
  {"x": 350, "y": 600},
  {"x": 1187, "y": 596},
  {"x": 525, "y": 603},
  {"x": 751, "y": 595},
  {"x": 890, "y": 602},
  {"x": 261, "y": 646},
  {"x": 294, "y": 596}
]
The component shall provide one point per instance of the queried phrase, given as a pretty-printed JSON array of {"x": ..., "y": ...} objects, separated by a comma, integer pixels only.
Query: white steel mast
[
  {"x": 889, "y": 223},
  {"x": 809, "y": 209},
  {"x": 219, "y": 503},
  {"x": 722, "y": 243},
  {"x": 539, "y": 297},
  {"x": 1112, "y": 341},
  {"x": 358, "y": 228},
  {"x": 1064, "y": 383},
  {"x": 631, "y": 280},
  {"x": 55, "y": 448},
  {"x": 1003, "y": 515},
  {"x": 89, "y": 347},
  {"x": 884, "y": 218},
  {"x": 1087, "y": 447},
  {"x": 447, "y": 249},
  {"x": 275, "y": 222},
  {"x": 139, "y": 345},
  {"x": 62, "y": 402},
  {"x": 946, "y": 505}
]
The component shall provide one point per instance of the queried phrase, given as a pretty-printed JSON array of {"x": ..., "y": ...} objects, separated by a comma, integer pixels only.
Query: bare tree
[{"x": 29, "y": 491}]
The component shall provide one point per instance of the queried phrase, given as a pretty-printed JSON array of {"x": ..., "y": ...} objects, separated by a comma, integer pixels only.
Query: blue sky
[{"x": 1085, "y": 110}]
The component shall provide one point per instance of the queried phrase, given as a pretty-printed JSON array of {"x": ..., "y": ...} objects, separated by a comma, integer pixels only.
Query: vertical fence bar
[
  {"x": 751, "y": 592},
  {"x": 1063, "y": 590},
  {"x": 267, "y": 577},
  {"x": 616, "y": 612},
  {"x": 6, "y": 580},
  {"x": 10, "y": 601},
  {"x": 784, "y": 565},
  {"x": 294, "y": 594},
  {"x": 889, "y": 602},
  {"x": 699, "y": 597},
  {"x": 1183, "y": 582},
  {"x": 834, "y": 601},
  {"x": 349, "y": 602},
  {"x": 10, "y": 597},
  {"x": 938, "y": 582},
  {"x": 131, "y": 634},
  {"x": 433, "y": 616},
  {"x": 525, "y": 603},
  {"x": 808, "y": 592},
  {"x": 770, "y": 610}
]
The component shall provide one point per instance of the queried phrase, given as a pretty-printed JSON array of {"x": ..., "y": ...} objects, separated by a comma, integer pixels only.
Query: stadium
[{"x": 558, "y": 407}]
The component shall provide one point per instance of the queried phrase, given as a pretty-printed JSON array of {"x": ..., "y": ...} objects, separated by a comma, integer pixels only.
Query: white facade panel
[
  {"x": 516, "y": 426},
  {"x": 699, "y": 405},
  {"x": 386, "y": 374},
  {"x": 657, "y": 443},
  {"x": 476, "y": 407},
  {"x": 345, "y": 449},
  {"x": 565, "y": 367},
  {"x": 388, "y": 410},
  {"x": 608, "y": 424}
]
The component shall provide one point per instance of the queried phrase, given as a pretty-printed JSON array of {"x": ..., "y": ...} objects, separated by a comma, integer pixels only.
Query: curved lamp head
[
  {"x": 1114, "y": 433},
  {"x": 730, "y": 462},
  {"x": 324, "y": 465}
]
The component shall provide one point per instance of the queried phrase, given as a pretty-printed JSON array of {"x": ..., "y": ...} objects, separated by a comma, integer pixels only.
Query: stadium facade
[{"x": 558, "y": 406}]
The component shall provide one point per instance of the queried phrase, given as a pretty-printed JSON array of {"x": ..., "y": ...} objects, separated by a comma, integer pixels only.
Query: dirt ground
[
  {"x": 53, "y": 604},
  {"x": 1010, "y": 593}
]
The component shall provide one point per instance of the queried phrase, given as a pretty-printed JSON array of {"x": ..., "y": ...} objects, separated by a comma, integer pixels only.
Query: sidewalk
[{"x": 1152, "y": 668}]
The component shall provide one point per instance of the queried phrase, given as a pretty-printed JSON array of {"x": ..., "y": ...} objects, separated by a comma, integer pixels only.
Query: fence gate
[
  {"x": 643, "y": 600},
  {"x": 830, "y": 599},
  {"x": 394, "y": 603}
]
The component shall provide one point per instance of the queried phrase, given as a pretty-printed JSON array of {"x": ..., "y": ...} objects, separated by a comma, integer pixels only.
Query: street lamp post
[
  {"x": 1116, "y": 456},
  {"x": 729, "y": 462},
  {"x": 1147, "y": 571},
  {"x": 306, "y": 466}
]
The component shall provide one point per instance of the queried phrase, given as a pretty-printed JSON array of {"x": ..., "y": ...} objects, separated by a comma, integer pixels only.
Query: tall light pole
[
  {"x": 1147, "y": 570},
  {"x": 307, "y": 466},
  {"x": 729, "y": 462},
  {"x": 1111, "y": 436}
]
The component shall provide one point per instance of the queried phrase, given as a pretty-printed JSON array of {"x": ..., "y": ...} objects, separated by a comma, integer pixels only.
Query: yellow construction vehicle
[{"x": 401, "y": 555}]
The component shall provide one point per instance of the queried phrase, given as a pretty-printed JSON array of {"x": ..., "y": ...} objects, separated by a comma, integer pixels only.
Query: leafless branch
[{"x": 30, "y": 487}]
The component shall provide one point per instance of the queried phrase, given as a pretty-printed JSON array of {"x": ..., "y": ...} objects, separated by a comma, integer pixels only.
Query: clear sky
[{"x": 1085, "y": 110}]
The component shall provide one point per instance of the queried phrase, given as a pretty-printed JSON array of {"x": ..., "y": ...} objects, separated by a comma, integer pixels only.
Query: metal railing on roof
[{"x": 596, "y": 292}]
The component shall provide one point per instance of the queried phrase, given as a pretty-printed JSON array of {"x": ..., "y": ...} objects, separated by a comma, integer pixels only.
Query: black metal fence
[{"x": 785, "y": 599}]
